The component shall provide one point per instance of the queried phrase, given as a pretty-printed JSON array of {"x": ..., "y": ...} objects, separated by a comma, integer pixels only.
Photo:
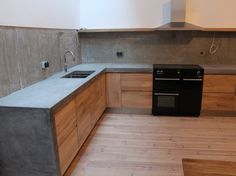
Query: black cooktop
[
  {"x": 177, "y": 70},
  {"x": 176, "y": 66}
]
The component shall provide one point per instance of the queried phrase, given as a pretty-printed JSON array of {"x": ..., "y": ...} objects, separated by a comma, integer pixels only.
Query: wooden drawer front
[
  {"x": 99, "y": 104},
  {"x": 218, "y": 101},
  {"x": 83, "y": 105},
  {"x": 113, "y": 90},
  {"x": 90, "y": 105},
  {"x": 136, "y": 82},
  {"x": 84, "y": 128},
  {"x": 219, "y": 83},
  {"x": 136, "y": 99},
  {"x": 65, "y": 121},
  {"x": 68, "y": 150},
  {"x": 97, "y": 110}
]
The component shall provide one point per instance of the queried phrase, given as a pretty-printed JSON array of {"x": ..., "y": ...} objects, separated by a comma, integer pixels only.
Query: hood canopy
[{"x": 178, "y": 18}]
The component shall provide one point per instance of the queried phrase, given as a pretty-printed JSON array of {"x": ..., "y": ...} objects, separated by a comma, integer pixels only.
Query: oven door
[{"x": 165, "y": 103}]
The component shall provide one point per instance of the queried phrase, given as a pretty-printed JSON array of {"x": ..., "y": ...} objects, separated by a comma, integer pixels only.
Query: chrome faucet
[{"x": 65, "y": 59}]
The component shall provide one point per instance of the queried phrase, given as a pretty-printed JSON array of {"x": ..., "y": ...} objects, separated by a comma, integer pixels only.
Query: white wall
[
  {"x": 104, "y": 14},
  {"x": 40, "y": 13},
  {"x": 212, "y": 13}
]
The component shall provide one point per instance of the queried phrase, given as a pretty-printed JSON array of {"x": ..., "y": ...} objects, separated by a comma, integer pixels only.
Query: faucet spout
[{"x": 65, "y": 59}]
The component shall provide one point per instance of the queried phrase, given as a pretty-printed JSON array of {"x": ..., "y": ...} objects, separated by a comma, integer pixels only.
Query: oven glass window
[{"x": 166, "y": 102}]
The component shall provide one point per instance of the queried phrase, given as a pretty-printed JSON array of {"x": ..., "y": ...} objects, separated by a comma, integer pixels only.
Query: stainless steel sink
[{"x": 78, "y": 74}]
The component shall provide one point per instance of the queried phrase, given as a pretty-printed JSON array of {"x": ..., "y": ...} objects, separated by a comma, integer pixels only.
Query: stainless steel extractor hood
[{"x": 178, "y": 18}]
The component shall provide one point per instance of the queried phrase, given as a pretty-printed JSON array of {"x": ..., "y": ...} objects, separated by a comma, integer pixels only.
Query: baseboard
[{"x": 140, "y": 111}]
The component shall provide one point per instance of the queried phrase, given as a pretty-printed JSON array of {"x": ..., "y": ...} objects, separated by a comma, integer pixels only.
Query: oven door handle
[
  {"x": 167, "y": 79},
  {"x": 166, "y": 94},
  {"x": 186, "y": 79}
]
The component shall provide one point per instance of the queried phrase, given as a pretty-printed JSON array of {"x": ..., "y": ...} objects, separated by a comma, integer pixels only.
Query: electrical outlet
[
  {"x": 119, "y": 54},
  {"x": 44, "y": 64}
]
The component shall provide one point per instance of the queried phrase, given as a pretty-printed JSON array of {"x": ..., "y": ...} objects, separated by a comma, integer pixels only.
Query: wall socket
[
  {"x": 119, "y": 54},
  {"x": 44, "y": 64}
]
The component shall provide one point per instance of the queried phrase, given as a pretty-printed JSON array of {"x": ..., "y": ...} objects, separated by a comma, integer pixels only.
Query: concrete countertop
[{"x": 48, "y": 93}]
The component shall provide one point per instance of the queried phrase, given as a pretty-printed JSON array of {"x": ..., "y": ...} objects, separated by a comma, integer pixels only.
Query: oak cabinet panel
[
  {"x": 65, "y": 121},
  {"x": 68, "y": 150},
  {"x": 133, "y": 99},
  {"x": 75, "y": 119},
  {"x": 66, "y": 133},
  {"x": 113, "y": 90},
  {"x": 219, "y": 93},
  {"x": 136, "y": 82},
  {"x": 218, "y": 101},
  {"x": 129, "y": 90},
  {"x": 219, "y": 83},
  {"x": 90, "y": 105}
]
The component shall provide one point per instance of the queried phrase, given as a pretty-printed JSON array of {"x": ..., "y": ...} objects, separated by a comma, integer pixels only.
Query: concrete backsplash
[
  {"x": 22, "y": 50},
  {"x": 159, "y": 47}
]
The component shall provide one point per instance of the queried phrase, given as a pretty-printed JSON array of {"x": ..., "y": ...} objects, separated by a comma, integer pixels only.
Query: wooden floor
[
  {"x": 193, "y": 167},
  {"x": 141, "y": 145}
]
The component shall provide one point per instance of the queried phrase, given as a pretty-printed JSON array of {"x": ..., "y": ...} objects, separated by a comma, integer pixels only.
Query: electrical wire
[{"x": 214, "y": 46}]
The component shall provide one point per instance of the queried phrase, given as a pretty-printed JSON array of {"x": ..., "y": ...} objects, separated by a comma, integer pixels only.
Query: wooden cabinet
[
  {"x": 90, "y": 105},
  {"x": 129, "y": 90},
  {"x": 113, "y": 90},
  {"x": 66, "y": 133},
  {"x": 136, "y": 82},
  {"x": 219, "y": 93},
  {"x": 136, "y": 99},
  {"x": 215, "y": 14},
  {"x": 75, "y": 119}
]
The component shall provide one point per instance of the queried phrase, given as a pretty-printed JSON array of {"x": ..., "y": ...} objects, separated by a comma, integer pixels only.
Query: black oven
[
  {"x": 177, "y": 90},
  {"x": 165, "y": 103}
]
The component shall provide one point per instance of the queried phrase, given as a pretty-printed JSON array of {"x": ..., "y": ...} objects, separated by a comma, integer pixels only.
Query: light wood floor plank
[{"x": 142, "y": 145}]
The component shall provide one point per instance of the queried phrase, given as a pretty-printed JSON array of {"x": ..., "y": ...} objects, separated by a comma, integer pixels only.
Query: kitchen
[{"x": 99, "y": 121}]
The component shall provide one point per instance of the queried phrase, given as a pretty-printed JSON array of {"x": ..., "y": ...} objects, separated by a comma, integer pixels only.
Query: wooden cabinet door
[
  {"x": 99, "y": 101},
  {"x": 219, "y": 83},
  {"x": 90, "y": 104},
  {"x": 219, "y": 92},
  {"x": 68, "y": 150},
  {"x": 66, "y": 133},
  {"x": 113, "y": 90},
  {"x": 132, "y": 99},
  {"x": 136, "y": 82},
  {"x": 218, "y": 101},
  {"x": 83, "y": 107}
]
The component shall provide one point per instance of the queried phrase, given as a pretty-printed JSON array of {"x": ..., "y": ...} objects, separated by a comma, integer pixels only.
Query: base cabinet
[
  {"x": 90, "y": 105},
  {"x": 129, "y": 90},
  {"x": 219, "y": 93},
  {"x": 68, "y": 150},
  {"x": 67, "y": 141},
  {"x": 75, "y": 120}
]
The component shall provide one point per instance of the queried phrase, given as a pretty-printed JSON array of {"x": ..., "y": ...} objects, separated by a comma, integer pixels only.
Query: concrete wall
[
  {"x": 63, "y": 14},
  {"x": 158, "y": 47},
  {"x": 22, "y": 50}
]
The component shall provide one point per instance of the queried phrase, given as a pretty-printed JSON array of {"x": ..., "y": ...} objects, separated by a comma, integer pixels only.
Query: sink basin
[{"x": 78, "y": 74}]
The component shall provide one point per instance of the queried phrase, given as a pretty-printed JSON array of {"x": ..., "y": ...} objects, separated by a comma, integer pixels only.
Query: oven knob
[{"x": 159, "y": 72}]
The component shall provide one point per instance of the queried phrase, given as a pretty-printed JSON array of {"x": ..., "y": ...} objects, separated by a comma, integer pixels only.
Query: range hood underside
[{"x": 179, "y": 26}]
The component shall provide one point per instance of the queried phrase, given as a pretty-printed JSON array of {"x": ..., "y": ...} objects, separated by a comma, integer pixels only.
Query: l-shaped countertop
[{"x": 49, "y": 93}]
